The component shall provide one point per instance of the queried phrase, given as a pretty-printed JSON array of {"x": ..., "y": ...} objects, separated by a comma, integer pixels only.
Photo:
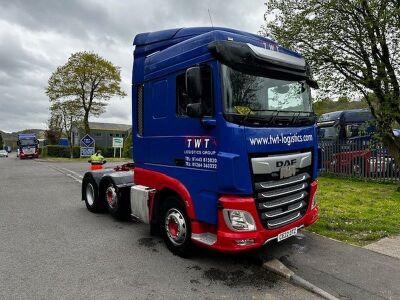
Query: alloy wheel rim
[{"x": 175, "y": 227}]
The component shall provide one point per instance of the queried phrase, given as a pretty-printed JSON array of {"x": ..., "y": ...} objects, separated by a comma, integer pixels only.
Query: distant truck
[
  {"x": 226, "y": 152},
  {"x": 27, "y": 145},
  {"x": 339, "y": 126},
  {"x": 347, "y": 134}
]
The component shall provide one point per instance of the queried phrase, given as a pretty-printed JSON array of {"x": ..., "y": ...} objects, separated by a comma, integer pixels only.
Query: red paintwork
[
  {"x": 22, "y": 155},
  {"x": 125, "y": 167},
  {"x": 173, "y": 227},
  {"x": 226, "y": 237},
  {"x": 94, "y": 167},
  {"x": 344, "y": 160},
  {"x": 159, "y": 181}
]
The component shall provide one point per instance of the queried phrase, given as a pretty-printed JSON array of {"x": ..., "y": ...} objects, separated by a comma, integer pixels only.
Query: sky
[{"x": 37, "y": 36}]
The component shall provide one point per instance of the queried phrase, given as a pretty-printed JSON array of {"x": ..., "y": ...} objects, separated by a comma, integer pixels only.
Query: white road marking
[
  {"x": 65, "y": 172},
  {"x": 72, "y": 172}
]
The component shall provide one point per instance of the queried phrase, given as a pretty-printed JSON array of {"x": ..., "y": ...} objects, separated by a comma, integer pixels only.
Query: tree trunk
[
  {"x": 71, "y": 151},
  {"x": 86, "y": 122},
  {"x": 393, "y": 146},
  {"x": 71, "y": 154}
]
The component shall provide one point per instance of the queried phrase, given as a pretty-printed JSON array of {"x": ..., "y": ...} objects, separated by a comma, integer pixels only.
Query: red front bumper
[
  {"x": 229, "y": 241},
  {"x": 23, "y": 155}
]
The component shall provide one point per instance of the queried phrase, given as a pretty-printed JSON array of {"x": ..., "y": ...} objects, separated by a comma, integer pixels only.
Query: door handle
[{"x": 180, "y": 162}]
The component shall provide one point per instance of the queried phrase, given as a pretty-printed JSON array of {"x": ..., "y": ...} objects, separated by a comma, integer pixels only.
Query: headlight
[{"x": 239, "y": 220}]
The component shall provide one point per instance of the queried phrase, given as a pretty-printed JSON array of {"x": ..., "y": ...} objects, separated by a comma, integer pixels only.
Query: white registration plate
[{"x": 284, "y": 235}]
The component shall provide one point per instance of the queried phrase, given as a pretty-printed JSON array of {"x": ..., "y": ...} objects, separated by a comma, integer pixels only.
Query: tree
[
  {"x": 325, "y": 105},
  {"x": 53, "y": 136},
  {"x": 87, "y": 79},
  {"x": 352, "y": 46},
  {"x": 54, "y": 133},
  {"x": 68, "y": 114},
  {"x": 127, "y": 145},
  {"x": 1, "y": 141}
]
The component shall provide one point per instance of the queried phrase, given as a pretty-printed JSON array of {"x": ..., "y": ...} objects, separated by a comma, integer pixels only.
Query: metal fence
[{"x": 360, "y": 159}]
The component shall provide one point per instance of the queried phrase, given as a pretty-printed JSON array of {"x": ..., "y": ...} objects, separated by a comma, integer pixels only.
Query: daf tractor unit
[
  {"x": 349, "y": 146},
  {"x": 27, "y": 146},
  {"x": 225, "y": 142}
]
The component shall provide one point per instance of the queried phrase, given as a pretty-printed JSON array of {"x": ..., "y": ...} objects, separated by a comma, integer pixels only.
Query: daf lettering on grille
[
  {"x": 274, "y": 163},
  {"x": 281, "y": 163}
]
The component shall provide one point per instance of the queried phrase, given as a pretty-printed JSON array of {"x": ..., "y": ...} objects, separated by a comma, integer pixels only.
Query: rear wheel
[
  {"x": 91, "y": 195},
  {"x": 117, "y": 201},
  {"x": 175, "y": 227}
]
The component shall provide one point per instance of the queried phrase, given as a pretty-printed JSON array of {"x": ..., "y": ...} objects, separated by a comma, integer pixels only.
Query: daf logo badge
[{"x": 287, "y": 171}]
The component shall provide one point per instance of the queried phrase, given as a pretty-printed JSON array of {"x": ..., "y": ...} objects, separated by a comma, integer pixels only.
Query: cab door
[{"x": 182, "y": 134}]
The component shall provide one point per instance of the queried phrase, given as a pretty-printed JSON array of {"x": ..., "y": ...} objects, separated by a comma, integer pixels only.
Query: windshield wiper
[{"x": 276, "y": 117}]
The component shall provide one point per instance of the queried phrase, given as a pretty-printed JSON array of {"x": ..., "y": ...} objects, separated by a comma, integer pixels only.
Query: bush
[
  {"x": 59, "y": 151},
  {"x": 127, "y": 152},
  {"x": 108, "y": 152}
]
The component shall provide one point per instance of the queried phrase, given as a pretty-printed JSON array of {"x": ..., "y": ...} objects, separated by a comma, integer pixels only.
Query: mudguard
[{"x": 121, "y": 179}]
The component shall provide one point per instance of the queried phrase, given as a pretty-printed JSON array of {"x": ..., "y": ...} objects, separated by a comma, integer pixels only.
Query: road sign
[
  {"x": 87, "y": 151},
  {"x": 118, "y": 142},
  {"x": 87, "y": 141}
]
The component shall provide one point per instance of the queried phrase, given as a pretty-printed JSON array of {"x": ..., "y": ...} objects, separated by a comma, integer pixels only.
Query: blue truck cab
[
  {"x": 27, "y": 145},
  {"x": 346, "y": 125},
  {"x": 224, "y": 135}
]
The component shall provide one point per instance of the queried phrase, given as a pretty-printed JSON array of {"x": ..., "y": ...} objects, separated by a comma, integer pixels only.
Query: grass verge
[{"x": 357, "y": 212}]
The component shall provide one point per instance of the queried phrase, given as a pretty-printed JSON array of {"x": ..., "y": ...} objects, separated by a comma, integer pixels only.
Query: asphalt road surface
[{"x": 51, "y": 247}]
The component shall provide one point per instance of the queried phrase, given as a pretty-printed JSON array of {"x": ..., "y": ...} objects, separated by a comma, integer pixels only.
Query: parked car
[{"x": 3, "y": 153}]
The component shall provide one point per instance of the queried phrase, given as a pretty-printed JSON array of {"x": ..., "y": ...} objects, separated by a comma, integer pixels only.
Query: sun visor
[
  {"x": 259, "y": 61},
  {"x": 275, "y": 57}
]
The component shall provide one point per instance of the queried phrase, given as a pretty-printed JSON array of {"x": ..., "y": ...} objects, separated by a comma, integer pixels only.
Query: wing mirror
[{"x": 194, "y": 86}]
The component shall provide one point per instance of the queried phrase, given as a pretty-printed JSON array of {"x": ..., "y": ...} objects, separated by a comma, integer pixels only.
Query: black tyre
[
  {"x": 117, "y": 201},
  {"x": 175, "y": 227},
  {"x": 91, "y": 195}
]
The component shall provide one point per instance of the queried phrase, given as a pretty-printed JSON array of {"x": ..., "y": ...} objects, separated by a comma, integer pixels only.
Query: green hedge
[
  {"x": 59, "y": 151},
  {"x": 63, "y": 151}
]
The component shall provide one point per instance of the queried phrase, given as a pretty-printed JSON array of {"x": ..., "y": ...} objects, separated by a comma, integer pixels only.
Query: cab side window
[{"x": 181, "y": 97}]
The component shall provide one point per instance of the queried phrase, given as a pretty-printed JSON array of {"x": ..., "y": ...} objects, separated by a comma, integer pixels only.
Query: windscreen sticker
[
  {"x": 281, "y": 139},
  {"x": 201, "y": 152}
]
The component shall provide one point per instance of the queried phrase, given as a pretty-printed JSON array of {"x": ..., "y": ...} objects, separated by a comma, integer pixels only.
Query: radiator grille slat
[{"x": 280, "y": 202}]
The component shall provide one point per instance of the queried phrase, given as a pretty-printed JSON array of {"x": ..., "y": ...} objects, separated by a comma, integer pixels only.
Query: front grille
[{"x": 280, "y": 202}]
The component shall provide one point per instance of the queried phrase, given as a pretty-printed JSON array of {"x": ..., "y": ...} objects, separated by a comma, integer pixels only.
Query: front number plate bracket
[{"x": 286, "y": 234}]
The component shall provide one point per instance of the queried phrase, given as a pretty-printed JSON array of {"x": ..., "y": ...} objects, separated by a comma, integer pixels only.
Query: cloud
[{"x": 37, "y": 36}]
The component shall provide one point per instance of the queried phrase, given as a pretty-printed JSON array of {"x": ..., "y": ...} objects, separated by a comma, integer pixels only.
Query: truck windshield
[
  {"x": 328, "y": 133},
  {"x": 260, "y": 97},
  {"x": 27, "y": 142}
]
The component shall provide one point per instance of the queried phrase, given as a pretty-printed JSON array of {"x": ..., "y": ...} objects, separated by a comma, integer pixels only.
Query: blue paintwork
[
  {"x": 63, "y": 142},
  {"x": 158, "y": 58}
]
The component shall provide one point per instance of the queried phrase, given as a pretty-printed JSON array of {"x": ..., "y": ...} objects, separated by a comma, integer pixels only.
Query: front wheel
[{"x": 175, "y": 228}]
